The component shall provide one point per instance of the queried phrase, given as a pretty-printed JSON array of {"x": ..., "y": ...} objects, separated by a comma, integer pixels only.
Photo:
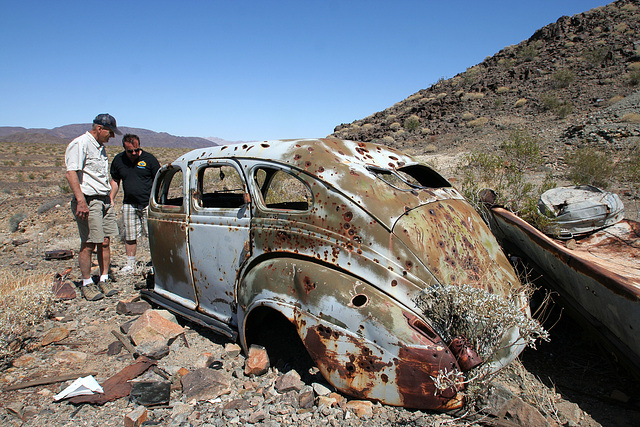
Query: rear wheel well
[{"x": 272, "y": 330}]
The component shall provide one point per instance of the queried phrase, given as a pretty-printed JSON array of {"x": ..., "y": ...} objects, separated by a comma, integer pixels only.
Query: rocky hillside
[{"x": 571, "y": 83}]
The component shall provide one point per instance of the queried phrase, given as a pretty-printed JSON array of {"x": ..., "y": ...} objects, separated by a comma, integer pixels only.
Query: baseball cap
[{"x": 107, "y": 121}]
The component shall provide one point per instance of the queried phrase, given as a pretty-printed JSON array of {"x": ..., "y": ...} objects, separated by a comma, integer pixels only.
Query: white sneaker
[{"x": 126, "y": 269}]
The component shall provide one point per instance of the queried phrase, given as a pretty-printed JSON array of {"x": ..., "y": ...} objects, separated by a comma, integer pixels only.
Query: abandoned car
[{"x": 340, "y": 239}]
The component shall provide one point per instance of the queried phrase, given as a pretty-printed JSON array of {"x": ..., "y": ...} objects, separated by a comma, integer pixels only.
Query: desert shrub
[
  {"x": 48, "y": 205},
  {"x": 621, "y": 27},
  {"x": 520, "y": 102},
  {"x": 527, "y": 53},
  {"x": 631, "y": 118},
  {"x": 596, "y": 56},
  {"x": 502, "y": 89},
  {"x": 558, "y": 107},
  {"x": 15, "y": 220},
  {"x": 479, "y": 122},
  {"x": 629, "y": 168},
  {"x": 430, "y": 148},
  {"x": 388, "y": 140},
  {"x": 391, "y": 118},
  {"x": 614, "y": 99},
  {"x": 412, "y": 123},
  {"x": 20, "y": 177},
  {"x": 467, "y": 116},
  {"x": 504, "y": 171},
  {"x": 498, "y": 102},
  {"x": 458, "y": 93},
  {"x": 586, "y": 167},
  {"x": 472, "y": 96},
  {"x": 64, "y": 188},
  {"x": 395, "y": 126},
  {"x": 25, "y": 300},
  {"x": 442, "y": 95},
  {"x": 563, "y": 78},
  {"x": 633, "y": 78},
  {"x": 634, "y": 66},
  {"x": 367, "y": 127},
  {"x": 483, "y": 318},
  {"x": 32, "y": 176}
]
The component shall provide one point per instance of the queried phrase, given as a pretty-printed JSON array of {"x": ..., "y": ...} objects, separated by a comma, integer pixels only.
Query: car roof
[{"x": 343, "y": 164}]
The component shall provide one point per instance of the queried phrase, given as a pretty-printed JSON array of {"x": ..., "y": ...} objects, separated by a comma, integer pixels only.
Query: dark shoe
[
  {"x": 108, "y": 288},
  {"x": 91, "y": 293}
]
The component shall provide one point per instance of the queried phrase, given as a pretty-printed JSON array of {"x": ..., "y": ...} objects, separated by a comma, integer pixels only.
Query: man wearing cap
[
  {"x": 135, "y": 169},
  {"x": 88, "y": 176}
]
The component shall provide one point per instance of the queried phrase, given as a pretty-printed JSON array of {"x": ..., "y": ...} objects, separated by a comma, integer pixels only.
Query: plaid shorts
[{"x": 135, "y": 221}]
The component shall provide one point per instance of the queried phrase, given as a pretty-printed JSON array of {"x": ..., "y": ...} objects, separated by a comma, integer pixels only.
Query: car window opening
[
  {"x": 409, "y": 178},
  {"x": 219, "y": 186},
  {"x": 282, "y": 190}
]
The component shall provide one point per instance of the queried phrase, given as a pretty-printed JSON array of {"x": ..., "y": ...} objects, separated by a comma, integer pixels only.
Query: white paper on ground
[{"x": 81, "y": 386}]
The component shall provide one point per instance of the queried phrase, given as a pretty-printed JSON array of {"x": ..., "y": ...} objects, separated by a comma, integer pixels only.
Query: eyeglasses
[{"x": 135, "y": 150}]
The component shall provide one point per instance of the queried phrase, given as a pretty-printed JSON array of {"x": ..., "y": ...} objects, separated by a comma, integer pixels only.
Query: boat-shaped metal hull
[{"x": 597, "y": 277}]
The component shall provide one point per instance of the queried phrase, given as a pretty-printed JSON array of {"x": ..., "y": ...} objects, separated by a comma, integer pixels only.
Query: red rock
[
  {"x": 151, "y": 326},
  {"x": 361, "y": 408},
  {"x": 54, "y": 335},
  {"x": 136, "y": 417},
  {"x": 257, "y": 362}
]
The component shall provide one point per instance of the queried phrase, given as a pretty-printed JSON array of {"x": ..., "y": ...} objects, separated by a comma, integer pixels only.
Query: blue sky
[{"x": 244, "y": 70}]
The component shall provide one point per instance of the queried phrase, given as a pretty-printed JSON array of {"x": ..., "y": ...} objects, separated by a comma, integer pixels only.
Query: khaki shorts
[{"x": 100, "y": 224}]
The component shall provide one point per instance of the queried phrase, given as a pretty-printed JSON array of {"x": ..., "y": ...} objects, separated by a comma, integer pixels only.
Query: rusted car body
[
  {"x": 338, "y": 237},
  {"x": 597, "y": 277}
]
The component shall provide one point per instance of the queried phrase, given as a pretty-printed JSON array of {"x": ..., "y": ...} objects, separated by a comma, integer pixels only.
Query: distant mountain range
[{"x": 64, "y": 134}]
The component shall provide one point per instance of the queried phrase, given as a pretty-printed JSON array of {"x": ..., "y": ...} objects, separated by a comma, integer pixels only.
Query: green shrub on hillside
[
  {"x": 504, "y": 172},
  {"x": 586, "y": 167},
  {"x": 563, "y": 78},
  {"x": 412, "y": 123}
]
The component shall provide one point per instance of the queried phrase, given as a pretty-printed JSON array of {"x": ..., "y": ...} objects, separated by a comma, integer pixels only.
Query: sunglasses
[{"x": 135, "y": 150}]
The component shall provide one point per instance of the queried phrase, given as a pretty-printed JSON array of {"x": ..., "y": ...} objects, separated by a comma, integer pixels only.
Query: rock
[
  {"x": 289, "y": 381},
  {"x": 619, "y": 396},
  {"x": 151, "y": 325},
  {"x": 498, "y": 397},
  {"x": 569, "y": 411},
  {"x": 232, "y": 350},
  {"x": 150, "y": 393},
  {"x": 320, "y": 389},
  {"x": 114, "y": 348},
  {"x": 256, "y": 417},
  {"x": 153, "y": 349},
  {"x": 132, "y": 308},
  {"x": 64, "y": 291},
  {"x": 257, "y": 362},
  {"x": 521, "y": 413},
  {"x": 238, "y": 404},
  {"x": 361, "y": 408},
  {"x": 54, "y": 335},
  {"x": 205, "y": 384},
  {"x": 306, "y": 399},
  {"x": 24, "y": 361},
  {"x": 136, "y": 417},
  {"x": 70, "y": 357}
]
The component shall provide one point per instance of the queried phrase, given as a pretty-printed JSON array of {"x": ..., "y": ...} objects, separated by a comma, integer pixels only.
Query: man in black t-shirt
[{"x": 135, "y": 169}]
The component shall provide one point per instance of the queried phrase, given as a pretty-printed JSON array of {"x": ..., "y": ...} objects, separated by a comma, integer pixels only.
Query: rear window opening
[{"x": 411, "y": 177}]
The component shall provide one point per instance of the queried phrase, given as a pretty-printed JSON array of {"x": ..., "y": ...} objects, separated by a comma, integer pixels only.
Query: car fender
[{"x": 363, "y": 341}]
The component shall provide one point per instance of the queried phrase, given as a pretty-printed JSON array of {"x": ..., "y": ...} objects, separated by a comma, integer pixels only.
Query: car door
[
  {"x": 168, "y": 237},
  {"x": 218, "y": 233}
]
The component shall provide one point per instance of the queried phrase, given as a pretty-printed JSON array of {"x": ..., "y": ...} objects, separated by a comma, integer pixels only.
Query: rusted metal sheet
[
  {"x": 599, "y": 280},
  {"x": 363, "y": 230}
]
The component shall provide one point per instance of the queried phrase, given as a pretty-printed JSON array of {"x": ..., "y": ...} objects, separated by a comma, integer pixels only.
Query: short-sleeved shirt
[
  {"x": 86, "y": 155},
  {"x": 136, "y": 178}
]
